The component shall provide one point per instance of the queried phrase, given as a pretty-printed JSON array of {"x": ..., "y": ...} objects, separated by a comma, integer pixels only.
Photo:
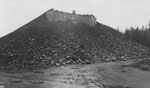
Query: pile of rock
[{"x": 47, "y": 44}]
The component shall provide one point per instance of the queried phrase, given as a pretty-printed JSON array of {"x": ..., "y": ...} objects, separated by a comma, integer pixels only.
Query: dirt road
[{"x": 104, "y": 75}]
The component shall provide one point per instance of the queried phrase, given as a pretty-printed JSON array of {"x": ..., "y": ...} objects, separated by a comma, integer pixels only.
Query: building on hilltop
[{"x": 55, "y": 15}]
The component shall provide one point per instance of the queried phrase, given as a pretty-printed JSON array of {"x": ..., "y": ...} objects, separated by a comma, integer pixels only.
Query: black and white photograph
[{"x": 74, "y": 43}]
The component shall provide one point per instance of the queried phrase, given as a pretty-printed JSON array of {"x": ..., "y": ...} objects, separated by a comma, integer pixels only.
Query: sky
[{"x": 120, "y": 14}]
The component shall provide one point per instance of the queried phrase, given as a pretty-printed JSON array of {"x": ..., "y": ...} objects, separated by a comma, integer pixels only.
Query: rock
[
  {"x": 15, "y": 80},
  {"x": 2, "y": 86},
  {"x": 37, "y": 82}
]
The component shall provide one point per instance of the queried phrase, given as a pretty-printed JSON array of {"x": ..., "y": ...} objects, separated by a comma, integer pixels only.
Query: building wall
[{"x": 55, "y": 15}]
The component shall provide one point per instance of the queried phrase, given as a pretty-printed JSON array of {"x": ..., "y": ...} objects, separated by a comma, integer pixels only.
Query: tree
[{"x": 140, "y": 35}]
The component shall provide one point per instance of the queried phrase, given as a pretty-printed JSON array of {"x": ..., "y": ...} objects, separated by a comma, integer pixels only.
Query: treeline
[{"x": 141, "y": 35}]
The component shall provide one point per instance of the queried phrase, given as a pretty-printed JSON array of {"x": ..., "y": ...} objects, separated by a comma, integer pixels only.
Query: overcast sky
[{"x": 115, "y": 13}]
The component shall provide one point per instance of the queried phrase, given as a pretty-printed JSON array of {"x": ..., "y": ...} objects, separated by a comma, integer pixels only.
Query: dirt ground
[{"x": 100, "y": 75}]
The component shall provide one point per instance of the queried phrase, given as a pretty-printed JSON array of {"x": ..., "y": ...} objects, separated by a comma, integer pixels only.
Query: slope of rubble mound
[{"x": 42, "y": 43}]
